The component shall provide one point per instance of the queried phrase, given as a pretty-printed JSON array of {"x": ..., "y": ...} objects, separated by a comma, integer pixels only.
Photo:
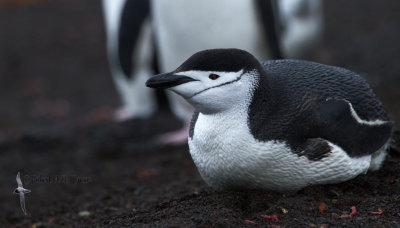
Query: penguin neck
[
  {"x": 235, "y": 109},
  {"x": 263, "y": 97},
  {"x": 239, "y": 109}
]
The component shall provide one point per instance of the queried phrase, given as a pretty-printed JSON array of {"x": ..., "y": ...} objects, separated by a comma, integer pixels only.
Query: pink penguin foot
[
  {"x": 177, "y": 137},
  {"x": 122, "y": 113}
]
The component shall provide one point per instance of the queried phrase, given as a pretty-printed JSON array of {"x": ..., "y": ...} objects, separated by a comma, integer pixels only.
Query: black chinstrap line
[{"x": 226, "y": 83}]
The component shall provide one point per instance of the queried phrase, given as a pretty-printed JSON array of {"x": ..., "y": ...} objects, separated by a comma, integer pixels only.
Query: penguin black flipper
[
  {"x": 133, "y": 16},
  {"x": 335, "y": 119}
]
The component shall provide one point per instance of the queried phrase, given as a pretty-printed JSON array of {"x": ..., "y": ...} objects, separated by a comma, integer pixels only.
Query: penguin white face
[
  {"x": 205, "y": 82},
  {"x": 215, "y": 91},
  {"x": 212, "y": 80}
]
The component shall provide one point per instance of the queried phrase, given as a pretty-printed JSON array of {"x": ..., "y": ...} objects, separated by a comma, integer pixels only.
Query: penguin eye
[{"x": 213, "y": 76}]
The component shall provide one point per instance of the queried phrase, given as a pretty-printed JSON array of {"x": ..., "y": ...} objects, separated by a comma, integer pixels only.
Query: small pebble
[{"x": 84, "y": 214}]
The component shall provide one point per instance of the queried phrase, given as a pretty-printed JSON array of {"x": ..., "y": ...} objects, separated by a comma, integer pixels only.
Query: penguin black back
[{"x": 290, "y": 103}]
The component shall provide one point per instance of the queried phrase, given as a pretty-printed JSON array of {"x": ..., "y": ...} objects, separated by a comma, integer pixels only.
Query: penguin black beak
[{"x": 167, "y": 80}]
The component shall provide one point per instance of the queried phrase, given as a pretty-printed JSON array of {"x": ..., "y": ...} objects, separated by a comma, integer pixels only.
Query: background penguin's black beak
[{"x": 167, "y": 80}]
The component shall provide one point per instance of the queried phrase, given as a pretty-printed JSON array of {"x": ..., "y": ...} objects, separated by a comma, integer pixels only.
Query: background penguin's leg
[
  {"x": 130, "y": 50},
  {"x": 183, "y": 111}
]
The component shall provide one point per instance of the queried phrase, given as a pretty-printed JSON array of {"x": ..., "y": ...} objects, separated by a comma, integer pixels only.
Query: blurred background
[
  {"x": 57, "y": 100},
  {"x": 54, "y": 68}
]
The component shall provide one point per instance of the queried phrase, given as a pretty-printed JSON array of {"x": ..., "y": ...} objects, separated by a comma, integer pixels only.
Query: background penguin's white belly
[
  {"x": 184, "y": 27},
  {"x": 228, "y": 157}
]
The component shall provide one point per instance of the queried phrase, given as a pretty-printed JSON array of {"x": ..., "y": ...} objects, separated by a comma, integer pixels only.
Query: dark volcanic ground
[{"x": 55, "y": 106}]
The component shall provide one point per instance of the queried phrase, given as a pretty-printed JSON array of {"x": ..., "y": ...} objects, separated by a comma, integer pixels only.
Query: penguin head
[{"x": 212, "y": 80}]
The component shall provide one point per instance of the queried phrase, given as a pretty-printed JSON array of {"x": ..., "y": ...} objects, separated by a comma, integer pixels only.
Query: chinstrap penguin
[{"x": 278, "y": 125}]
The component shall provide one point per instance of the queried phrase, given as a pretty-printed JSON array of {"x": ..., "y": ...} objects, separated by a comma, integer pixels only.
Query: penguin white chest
[
  {"x": 228, "y": 157},
  {"x": 218, "y": 149}
]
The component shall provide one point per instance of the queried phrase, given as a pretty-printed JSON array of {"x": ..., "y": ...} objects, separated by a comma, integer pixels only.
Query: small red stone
[
  {"x": 271, "y": 217},
  {"x": 250, "y": 222},
  {"x": 322, "y": 207},
  {"x": 353, "y": 212},
  {"x": 379, "y": 212}
]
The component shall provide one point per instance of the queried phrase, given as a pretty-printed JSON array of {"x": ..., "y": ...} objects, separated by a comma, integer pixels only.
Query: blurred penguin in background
[
  {"x": 301, "y": 29},
  {"x": 140, "y": 31},
  {"x": 130, "y": 52}
]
